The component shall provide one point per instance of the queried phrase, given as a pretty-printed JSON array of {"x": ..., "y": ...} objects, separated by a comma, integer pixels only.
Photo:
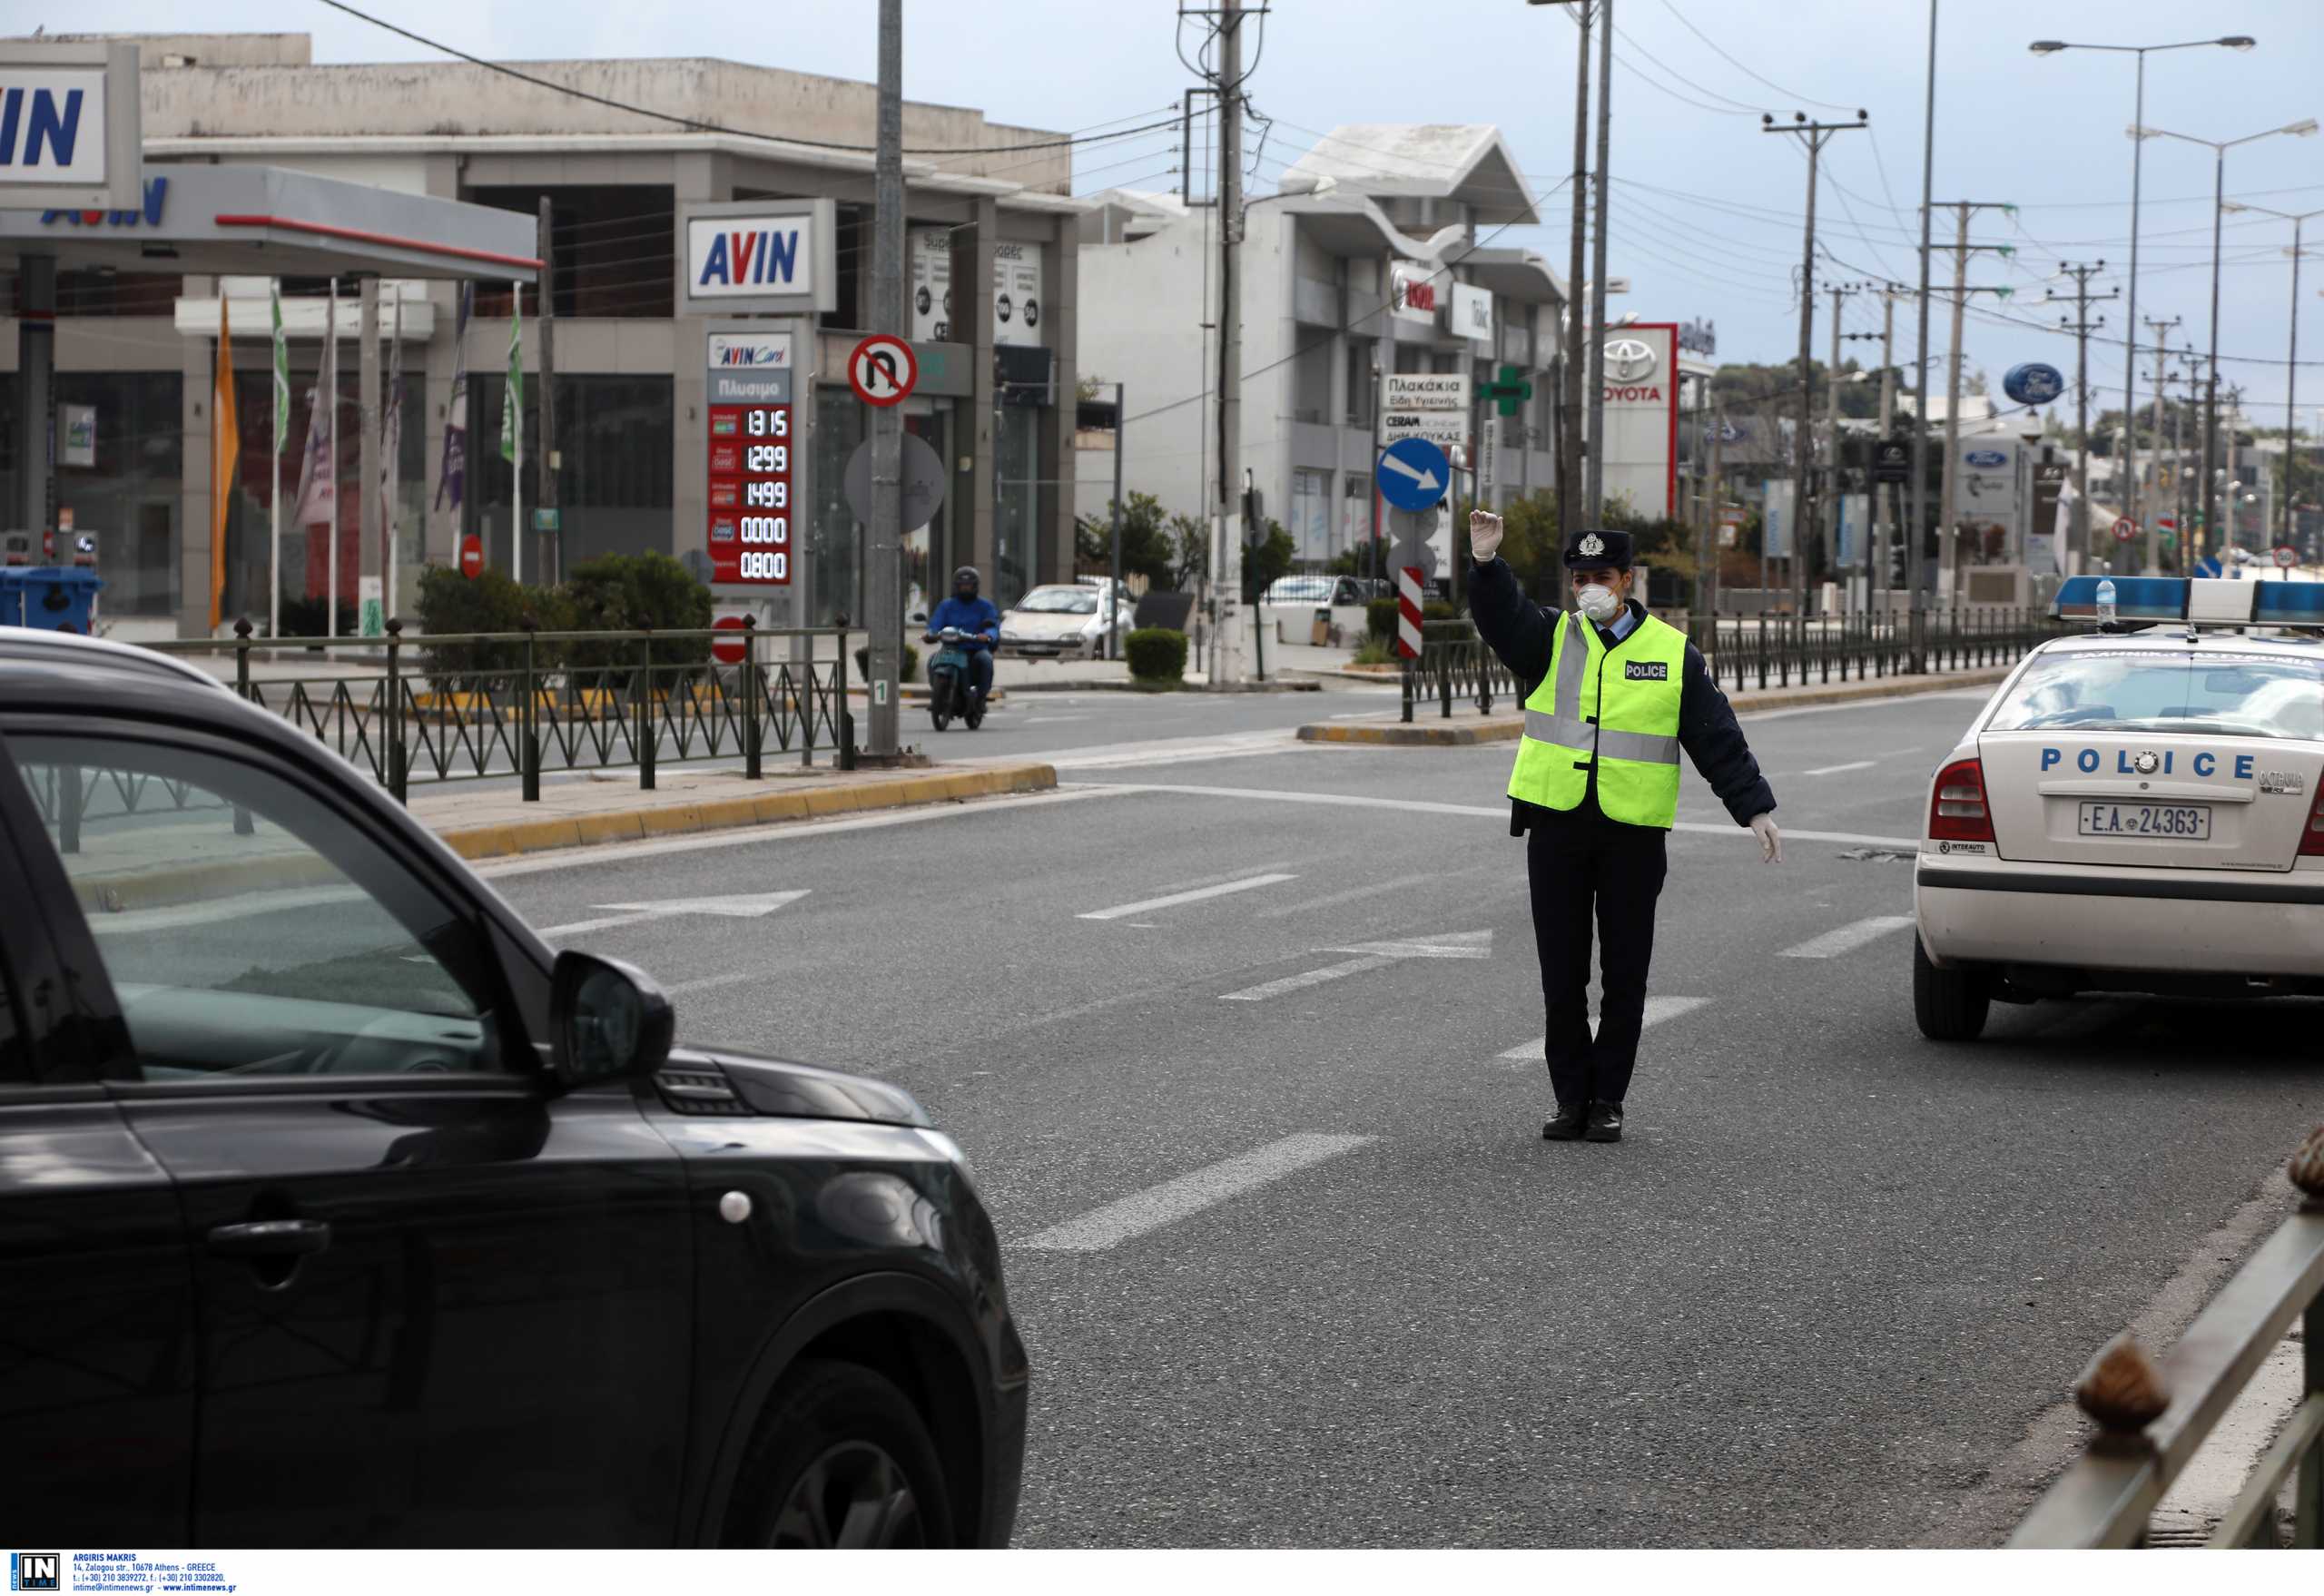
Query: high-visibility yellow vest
[{"x": 1617, "y": 707}]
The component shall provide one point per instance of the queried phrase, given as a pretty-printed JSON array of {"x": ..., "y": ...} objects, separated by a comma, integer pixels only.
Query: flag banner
[
  {"x": 392, "y": 435},
  {"x": 512, "y": 401},
  {"x": 225, "y": 454},
  {"x": 451, "y": 477},
  {"x": 314, "y": 470},
  {"x": 281, "y": 371}
]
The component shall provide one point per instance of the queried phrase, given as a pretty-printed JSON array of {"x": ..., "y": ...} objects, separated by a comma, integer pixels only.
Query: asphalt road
[{"x": 1237, "y": 1046}]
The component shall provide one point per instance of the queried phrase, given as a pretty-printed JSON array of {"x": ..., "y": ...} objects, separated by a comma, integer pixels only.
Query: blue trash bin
[{"x": 49, "y": 598}]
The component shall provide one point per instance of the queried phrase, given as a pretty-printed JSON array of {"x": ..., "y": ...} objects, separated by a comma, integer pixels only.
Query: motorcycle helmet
[{"x": 964, "y": 581}]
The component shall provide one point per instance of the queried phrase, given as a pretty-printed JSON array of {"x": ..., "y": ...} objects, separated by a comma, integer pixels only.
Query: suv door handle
[{"x": 269, "y": 1237}]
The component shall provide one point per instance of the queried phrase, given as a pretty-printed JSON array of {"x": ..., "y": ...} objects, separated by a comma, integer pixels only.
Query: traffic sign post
[
  {"x": 883, "y": 371},
  {"x": 2287, "y": 556},
  {"x": 2125, "y": 529},
  {"x": 471, "y": 557}
]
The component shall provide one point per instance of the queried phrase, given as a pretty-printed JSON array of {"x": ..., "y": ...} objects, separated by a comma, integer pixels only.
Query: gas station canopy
[{"x": 266, "y": 221}]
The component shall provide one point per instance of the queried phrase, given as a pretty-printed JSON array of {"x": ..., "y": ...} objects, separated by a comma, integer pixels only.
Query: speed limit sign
[
  {"x": 2286, "y": 556},
  {"x": 2125, "y": 529}
]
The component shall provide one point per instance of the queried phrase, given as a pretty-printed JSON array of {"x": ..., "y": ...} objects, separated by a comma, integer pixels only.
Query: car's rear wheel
[
  {"x": 1949, "y": 1004},
  {"x": 841, "y": 1459}
]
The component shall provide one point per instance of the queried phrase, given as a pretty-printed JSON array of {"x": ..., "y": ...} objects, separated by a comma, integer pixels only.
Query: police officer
[{"x": 1616, "y": 695}]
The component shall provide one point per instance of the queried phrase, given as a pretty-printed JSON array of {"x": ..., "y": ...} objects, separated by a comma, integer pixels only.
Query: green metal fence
[
  {"x": 2152, "y": 1418},
  {"x": 517, "y": 704},
  {"x": 1749, "y": 653}
]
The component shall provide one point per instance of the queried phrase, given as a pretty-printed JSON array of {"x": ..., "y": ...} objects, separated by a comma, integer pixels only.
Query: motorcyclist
[{"x": 980, "y": 626}]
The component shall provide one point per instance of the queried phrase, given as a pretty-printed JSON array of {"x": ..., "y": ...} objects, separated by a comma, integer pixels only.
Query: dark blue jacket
[
  {"x": 976, "y": 616},
  {"x": 1523, "y": 633}
]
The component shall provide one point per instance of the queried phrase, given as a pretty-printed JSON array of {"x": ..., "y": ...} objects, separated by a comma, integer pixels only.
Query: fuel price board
[{"x": 750, "y": 503}]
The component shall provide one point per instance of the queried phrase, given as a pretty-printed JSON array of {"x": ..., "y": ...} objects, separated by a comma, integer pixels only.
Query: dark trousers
[
  {"x": 981, "y": 672},
  {"x": 1583, "y": 864}
]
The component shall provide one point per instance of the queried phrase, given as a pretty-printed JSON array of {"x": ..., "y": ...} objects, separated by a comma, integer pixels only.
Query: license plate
[{"x": 2185, "y": 822}]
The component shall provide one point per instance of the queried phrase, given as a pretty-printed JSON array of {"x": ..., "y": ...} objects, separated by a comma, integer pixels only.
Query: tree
[
  {"x": 1148, "y": 549},
  {"x": 1265, "y": 560},
  {"x": 1740, "y": 385},
  {"x": 1193, "y": 539}
]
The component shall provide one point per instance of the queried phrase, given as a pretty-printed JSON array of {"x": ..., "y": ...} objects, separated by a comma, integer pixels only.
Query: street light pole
[
  {"x": 1916, "y": 533},
  {"x": 2129, "y": 451},
  {"x": 2292, "y": 360},
  {"x": 2219, "y": 148}
]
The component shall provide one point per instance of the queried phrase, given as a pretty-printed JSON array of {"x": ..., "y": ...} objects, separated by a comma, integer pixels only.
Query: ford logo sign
[
  {"x": 1987, "y": 460},
  {"x": 2033, "y": 383}
]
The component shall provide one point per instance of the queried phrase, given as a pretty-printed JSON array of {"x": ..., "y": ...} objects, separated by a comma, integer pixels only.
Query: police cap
[{"x": 1590, "y": 549}]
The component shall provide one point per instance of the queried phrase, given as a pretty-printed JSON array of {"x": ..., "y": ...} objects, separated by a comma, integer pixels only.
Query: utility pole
[
  {"x": 883, "y": 599},
  {"x": 1916, "y": 534},
  {"x": 1226, "y": 567},
  {"x": 1710, "y": 511},
  {"x": 2154, "y": 532},
  {"x": 1877, "y": 577},
  {"x": 1814, "y": 136},
  {"x": 1571, "y": 445},
  {"x": 367, "y": 561},
  {"x": 1831, "y": 497},
  {"x": 1948, "y": 531},
  {"x": 553, "y": 567},
  {"x": 1113, "y": 597},
  {"x": 1594, "y": 512},
  {"x": 2080, "y": 324}
]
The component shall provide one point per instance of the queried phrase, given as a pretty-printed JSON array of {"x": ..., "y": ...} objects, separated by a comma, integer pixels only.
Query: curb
[
  {"x": 1442, "y": 734},
  {"x": 629, "y": 825}
]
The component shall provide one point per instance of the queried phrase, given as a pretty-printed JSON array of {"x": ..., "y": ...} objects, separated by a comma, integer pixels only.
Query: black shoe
[
  {"x": 1566, "y": 1126},
  {"x": 1605, "y": 1122}
]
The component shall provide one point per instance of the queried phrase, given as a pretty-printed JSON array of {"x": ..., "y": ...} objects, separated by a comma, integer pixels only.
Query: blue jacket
[{"x": 977, "y": 616}]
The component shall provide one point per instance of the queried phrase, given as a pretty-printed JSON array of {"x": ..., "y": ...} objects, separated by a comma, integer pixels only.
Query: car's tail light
[
  {"x": 1958, "y": 813},
  {"x": 2311, "y": 841}
]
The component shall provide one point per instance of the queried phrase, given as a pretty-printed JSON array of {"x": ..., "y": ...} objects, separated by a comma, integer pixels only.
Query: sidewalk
[
  {"x": 586, "y": 811},
  {"x": 1429, "y": 729}
]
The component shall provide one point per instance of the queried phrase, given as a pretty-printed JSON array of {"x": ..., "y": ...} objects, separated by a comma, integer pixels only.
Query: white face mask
[{"x": 1599, "y": 603}]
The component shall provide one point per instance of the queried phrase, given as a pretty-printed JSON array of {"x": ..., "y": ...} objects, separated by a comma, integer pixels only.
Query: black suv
[{"x": 336, "y": 1208}]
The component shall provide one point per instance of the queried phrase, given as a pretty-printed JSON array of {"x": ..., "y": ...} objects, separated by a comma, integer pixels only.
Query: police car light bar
[{"x": 2203, "y": 602}]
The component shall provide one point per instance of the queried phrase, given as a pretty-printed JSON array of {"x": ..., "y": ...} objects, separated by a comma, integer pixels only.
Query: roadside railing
[
  {"x": 2154, "y": 1418},
  {"x": 1749, "y": 653},
  {"x": 462, "y": 707}
]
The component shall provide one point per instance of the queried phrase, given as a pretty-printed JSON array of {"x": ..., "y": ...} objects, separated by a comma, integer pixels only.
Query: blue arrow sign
[{"x": 1413, "y": 473}]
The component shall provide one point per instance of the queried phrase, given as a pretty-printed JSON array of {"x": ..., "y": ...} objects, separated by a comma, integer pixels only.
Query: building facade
[
  {"x": 987, "y": 203},
  {"x": 1388, "y": 268}
]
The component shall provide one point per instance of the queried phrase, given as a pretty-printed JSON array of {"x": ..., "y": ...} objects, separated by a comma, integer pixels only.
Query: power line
[
  {"x": 1788, "y": 93},
  {"x": 699, "y": 126}
]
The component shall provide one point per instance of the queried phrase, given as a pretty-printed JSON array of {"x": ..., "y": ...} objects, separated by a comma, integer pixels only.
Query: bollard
[
  {"x": 1407, "y": 678},
  {"x": 845, "y": 719},
  {"x": 529, "y": 751},
  {"x": 751, "y": 769},
  {"x": 396, "y": 772},
  {"x": 1445, "y": 679},
  {"x": 645, "y": 711},
  {"x": 243, "y": 659}
]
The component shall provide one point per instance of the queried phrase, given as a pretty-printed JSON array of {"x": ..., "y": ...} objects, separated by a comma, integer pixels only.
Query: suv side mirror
[{"x": 609, "y": 1018}]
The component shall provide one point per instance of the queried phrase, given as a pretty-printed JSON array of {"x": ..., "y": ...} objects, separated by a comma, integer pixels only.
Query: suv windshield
[
  {"x": 2149, "y": 690},
  {"x": 1061, "y": 601},
  {"x": 1297, "y": 589}
]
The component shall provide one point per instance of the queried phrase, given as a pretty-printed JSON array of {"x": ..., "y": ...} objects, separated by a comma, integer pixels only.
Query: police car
[{"x": 2140, "y": 809}]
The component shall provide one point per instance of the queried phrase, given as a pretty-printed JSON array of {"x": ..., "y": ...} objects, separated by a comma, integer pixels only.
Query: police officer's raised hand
[
  {"x": 1484, "y": 534},
  {"x": 1762, "y": 826}
]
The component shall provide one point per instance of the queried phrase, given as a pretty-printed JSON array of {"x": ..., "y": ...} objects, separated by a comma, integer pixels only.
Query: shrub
[
  {"x": 623, "y": 592},
  {"x": 1155, "y": 654},
  {"x": 450, "y": 603},
  {"x": 1373, "y": 651},
  {"x": 1380, "y": 619},
  {"x": 909, "y": 671},
  {"x": 305, "y": 617}
]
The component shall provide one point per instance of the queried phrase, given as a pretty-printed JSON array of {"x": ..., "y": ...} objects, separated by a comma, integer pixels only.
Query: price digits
[
  {"x": 767, "y": 457},
  {"x": 767, "y": 423},
  {"x": 758, "y": 566}
]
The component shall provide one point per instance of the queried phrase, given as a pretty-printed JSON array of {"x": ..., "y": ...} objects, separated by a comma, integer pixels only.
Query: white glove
[
  {"x": 1484, "y": 534},
  {"x": 1762, "y": 826}
]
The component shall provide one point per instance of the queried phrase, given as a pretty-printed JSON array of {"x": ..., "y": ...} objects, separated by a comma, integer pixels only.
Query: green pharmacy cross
[{"x": 1510, "y": 388}]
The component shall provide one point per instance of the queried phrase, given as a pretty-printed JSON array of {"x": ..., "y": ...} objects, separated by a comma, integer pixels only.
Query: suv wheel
[
  {"x": 1950, "y": 1005},
  {"x": 842, "y": 1459}
]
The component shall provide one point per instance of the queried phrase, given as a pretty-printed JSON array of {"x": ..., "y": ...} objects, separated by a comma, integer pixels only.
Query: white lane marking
[
  {"x": 1475, "y": 944},
  {"x": 1141, "y": 1212},
  {"x": 1124, "y": 911},
  {"x": 1159, "y": 751},
  {"x": 1350, "y": 896},
  {"x": 1833, "y": 770},
  {"x": 1657, "y": 1009},
  {"x": 1052, "y": 720},
  {"x": 1496, "y": 812},
  {"x": 706, "y": 983},
  {"x": 1312, "y": 978},
  {"x": 744, "y": 836},
  {"x": 1952, "y": 694},
  {"x": 1848, "y": 939},
  {"x": 746, "y": 906}
]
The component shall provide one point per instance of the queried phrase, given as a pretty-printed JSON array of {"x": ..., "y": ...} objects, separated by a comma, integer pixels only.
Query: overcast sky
[{"x": 2044, "y": 133}]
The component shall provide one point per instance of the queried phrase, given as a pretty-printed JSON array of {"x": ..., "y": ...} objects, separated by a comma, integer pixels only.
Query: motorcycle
[{"x": 948, "y": 683}]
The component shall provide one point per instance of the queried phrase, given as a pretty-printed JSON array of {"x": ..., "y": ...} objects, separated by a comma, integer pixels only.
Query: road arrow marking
[
  {"x": 744, "y": 906},
  {"x": 1405, "y": 468}
]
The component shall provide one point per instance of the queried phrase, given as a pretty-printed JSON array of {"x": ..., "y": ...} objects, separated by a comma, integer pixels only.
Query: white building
[{"x": 1340, "y": 285}]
